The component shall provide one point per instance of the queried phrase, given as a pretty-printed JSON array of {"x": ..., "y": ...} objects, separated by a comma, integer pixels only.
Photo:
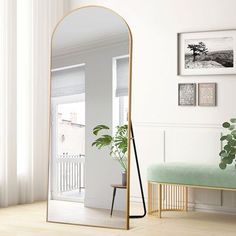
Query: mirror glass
[{"x": 88, "y": 165}]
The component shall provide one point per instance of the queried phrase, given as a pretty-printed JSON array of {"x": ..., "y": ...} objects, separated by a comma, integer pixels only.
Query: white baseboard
[{"x": 212, "y": 208}]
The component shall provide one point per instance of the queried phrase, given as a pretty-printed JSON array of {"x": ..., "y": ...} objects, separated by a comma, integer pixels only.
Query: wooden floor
[
  {"x": 77, "y": 213},
  {"x": 29, "y": 220}
]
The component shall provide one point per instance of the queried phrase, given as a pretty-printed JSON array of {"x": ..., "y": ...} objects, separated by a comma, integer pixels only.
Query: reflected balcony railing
[{"x": 70, "y": 172}]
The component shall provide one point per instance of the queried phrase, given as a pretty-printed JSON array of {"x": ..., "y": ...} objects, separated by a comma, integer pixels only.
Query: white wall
[
  {"x": 163, "y": 130},
  {"x": 100, "y": 170}
]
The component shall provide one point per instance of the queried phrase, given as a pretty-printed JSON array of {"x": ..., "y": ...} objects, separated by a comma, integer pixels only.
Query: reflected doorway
[{"x": 68, "y": 116}]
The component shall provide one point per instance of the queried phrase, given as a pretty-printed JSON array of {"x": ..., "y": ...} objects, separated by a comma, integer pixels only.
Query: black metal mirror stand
[{"x": 139, "y": 177}]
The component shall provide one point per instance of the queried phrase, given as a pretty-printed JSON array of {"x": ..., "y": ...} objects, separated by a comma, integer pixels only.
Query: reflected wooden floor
[
  {"x": 29, "y": 220},
  {"x": 76, "y": 213}
]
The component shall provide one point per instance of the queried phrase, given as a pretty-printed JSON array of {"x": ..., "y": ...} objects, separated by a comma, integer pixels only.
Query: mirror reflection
[{"x": 89, "y": 119}]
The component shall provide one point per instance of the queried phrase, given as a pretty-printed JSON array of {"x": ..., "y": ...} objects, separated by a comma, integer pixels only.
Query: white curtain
[
  {"x": 8, "y": 175},
  {"x": 68, "y": 81},
  {"x": 26, "y": 27}
]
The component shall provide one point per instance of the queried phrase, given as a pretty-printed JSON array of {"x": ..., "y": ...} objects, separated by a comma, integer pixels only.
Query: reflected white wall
[{"x": 101, "y": 170}]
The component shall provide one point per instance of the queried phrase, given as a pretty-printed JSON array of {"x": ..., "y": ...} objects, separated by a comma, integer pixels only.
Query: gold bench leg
[
  {"x": 149, "y": 198},
  {"x": 186, "y": 199},
  {"x": 159, "y": 186},
  {"x": 175, "y": 198}
]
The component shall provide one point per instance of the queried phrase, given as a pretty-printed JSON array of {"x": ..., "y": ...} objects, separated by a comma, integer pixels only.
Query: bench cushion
[{"x": 193, "y": 174}]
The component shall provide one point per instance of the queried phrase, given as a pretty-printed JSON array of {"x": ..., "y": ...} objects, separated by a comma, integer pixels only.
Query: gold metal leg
[
  {"x": 166, "y": 197},
  {"x": 149, "y": 198},
  {"x": 159, "y": 186},
  {"x": 186, "y": 199}
]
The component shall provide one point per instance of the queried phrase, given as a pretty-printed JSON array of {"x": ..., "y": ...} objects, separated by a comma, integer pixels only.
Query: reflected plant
[
  {"x": 229, "y": 144},
  {"x": 117, "y": 144}
]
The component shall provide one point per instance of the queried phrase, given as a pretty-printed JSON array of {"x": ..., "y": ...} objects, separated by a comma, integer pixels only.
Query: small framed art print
[
  {"x": 207, "y": 53},
  {"x": 187, "y": 94},
  {"x": 207, "y": 94}
]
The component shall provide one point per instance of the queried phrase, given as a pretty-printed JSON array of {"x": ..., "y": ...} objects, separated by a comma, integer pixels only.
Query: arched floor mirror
[{"x": 90, "y": 119}]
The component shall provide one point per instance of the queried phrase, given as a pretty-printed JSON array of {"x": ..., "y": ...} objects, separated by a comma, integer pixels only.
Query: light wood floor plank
[{"x": 29, "y": 220}]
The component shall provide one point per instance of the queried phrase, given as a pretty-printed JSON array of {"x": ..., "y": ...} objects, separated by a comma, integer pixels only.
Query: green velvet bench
[{"x": 168, "y": 184}]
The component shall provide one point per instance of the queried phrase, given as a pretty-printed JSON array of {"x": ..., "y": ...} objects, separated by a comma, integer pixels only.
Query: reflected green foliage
[
  {"x": 118, "y": 144},
  {"x": 229, "y": 144}
]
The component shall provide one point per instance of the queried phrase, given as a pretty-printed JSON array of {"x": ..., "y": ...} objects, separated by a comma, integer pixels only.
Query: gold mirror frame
[{"x": 129, "y": 112}]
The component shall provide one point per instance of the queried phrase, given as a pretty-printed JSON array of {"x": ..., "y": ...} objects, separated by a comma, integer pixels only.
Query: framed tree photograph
[
  {"x": 207, "y": 53},
  {"x": 207, "y": 94},
  {"x": 187, "y": 94}
]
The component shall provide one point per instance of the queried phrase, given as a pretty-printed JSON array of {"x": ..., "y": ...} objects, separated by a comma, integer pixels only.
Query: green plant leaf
[
  {"x": 117, "y": 144},
  {"x": 223, "y": 153},
  {"x": 121, "y": 143},
  {"x": 232, "y": 151},
  {"x": 228, "y": 154},
  {"x": 232, "y": 142},
  {"x": 226, "y": 125},
  {"x": 232, "y": 156},
  {"x": 223, "y": 138},
  {"x": 227, "y": 147},
  {"x": 103, "y": 141},
  {"x": 229, "y": 161},
  {"x": 233, "y": 133},
  {"x": 229, "y": 137},
  {"x": 222, "y": 165},
  {"x": 233, "y": 120},
  {"x": 99, "y": 128}
]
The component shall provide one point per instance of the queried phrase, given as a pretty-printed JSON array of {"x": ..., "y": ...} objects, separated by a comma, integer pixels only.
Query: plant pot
[{"x": 124, "y": 178}]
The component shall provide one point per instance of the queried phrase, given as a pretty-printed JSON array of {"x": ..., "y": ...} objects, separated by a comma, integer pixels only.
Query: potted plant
[
  {"x": 229, "y": 144},
  {"x": 117, "y": 144}
]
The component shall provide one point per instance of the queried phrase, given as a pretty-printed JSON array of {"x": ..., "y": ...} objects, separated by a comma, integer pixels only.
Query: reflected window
[
  {"x": 68, "y": 116},
  {"x": 120, "y": 88}
]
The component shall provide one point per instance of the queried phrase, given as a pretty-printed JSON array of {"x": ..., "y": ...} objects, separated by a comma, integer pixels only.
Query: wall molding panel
[
  {"x": 177, "y": 125},
  {"x": 178, "y": 142}
]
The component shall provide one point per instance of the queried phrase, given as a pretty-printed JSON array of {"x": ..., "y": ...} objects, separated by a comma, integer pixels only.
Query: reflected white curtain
[
  {"x": 68, "y": 81},
  {"x": 24, "y": 97},
  {"x": 122, "y": 75}
]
